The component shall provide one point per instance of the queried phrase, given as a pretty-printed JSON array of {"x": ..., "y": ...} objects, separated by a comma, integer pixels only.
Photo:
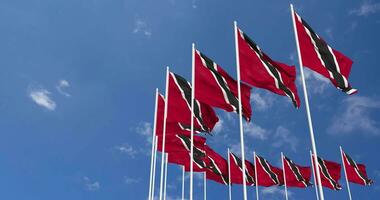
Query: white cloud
[
  {"x": 41, "y": 97},
  {"x": 366, "y": 8},
  {"x": 283, "y": 137},
  {"x": 261, "y": 101},
  {"x": 315, "y": 82},
  {"x": 129, "y": 180},
  {"x": 272, "y": 191},
  {"x": 255, "y": 131},
  {"x": 141, "y": 27},
  {"x": 127, "y": 149},
  {"x": 218, "y": 127},
  {"x": 146, "y": 130},
  {"x": 355, "y": 115},
  {"x": 62, "y": 84},
  {"x": 91, "y": 185}
]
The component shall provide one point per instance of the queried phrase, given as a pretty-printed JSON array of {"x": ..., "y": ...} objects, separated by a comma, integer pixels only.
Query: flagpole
[
  {"x": 229, "y": 174},
  {"x": 315, "y": 180},
  {"x": 192, "y": 119},
  {"x": 283, "y": 171},
  {"x": 204, "y": 186},
  {"x": 345, "y": 173},
  {"x": 240, "y": 111},
  {"x": 256, "y": 177},
  {"x": 314, "y": 148},
  {"x": 154, "y": 166},
  {"x": 183, "y": 182},
  {"x": 166, "y": 174},
  {"x": 153, "y": 144},
  {"x": 164, "y": 132}
]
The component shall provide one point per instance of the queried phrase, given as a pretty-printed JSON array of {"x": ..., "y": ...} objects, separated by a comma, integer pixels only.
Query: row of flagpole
[{"x": 162, "y": 191}]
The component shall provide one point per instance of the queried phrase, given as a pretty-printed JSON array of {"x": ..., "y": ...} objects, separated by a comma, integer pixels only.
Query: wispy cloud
[
  {"x": 218, "y": 127},
  {"x": 316, "y": 83},
  {"x": 62, "y": 85},
  {"x": 255, "y": 131},
  {"x": 127, "y": 149},
  {"x": 142, "y": 28},
  {"x": 355, "y": 115},
  {"x": 194, "y": 4},
  {"x": 366, "y": 8},
  {"x": 42, "y": 98},
  {"x": 262, "y": 101},
  {"x": 273, "y": 191},
  {"x": 130, "y": 180},
  {"x": 91, "y": 185},
  {"x": 283, "y": 137},
  {"x": 145, "y": 129}
]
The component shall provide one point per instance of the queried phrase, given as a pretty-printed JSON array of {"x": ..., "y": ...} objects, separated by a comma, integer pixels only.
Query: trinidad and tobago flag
[
  {"x": 217, "y": 169},
  {"x": 236, "y": 168},
  {"x": 329, "y": 173},
  {"x": 268, "y": 175},
  {"x": 259, "y": 70},
  {"x": 356, "y": 173},
  {"x": 296, "y": 175},
  {"x": 317, "y": 55},
  {"x": 179, "y": 105},
  {"x": 215, "y": 87}
]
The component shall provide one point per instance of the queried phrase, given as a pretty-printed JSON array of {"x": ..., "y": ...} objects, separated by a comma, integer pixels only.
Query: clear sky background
[{"x": 77, "y": 86}]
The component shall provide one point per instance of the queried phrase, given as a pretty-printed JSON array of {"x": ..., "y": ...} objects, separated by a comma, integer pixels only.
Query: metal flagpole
[
  {"x": 283, "y": 171},
  {"x": 240, "y": 111},
  {"x": 204, "y": 186},
  {"x": 154, "y": 166},
  {"x": 192, "y": 119},
  {"x": 315, "y": 180},
  {"x": 314, "y": 148},
  {"x": 256, "y": 177},
  {"x": 164, "y": 132},
  {"x": 229, "y": 175},
  {"x": 345, "y": 173},
  {"x": 166, "y": 174},
  {"x": 153, "y": 144},
  {"x": 183, "y": 182}
]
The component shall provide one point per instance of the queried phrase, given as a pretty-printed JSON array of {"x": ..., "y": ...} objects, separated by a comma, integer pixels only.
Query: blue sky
[{"x": 78, "y": 78}]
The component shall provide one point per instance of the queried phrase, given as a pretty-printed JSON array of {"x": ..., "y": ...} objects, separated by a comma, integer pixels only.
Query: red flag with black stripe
[
  {"x": 329, "y": 173},
  {"x": 217, "y": 169},
  {"x": 317, "y": 55},
  {"x": 179, "y": 105},
  {"x": 259, "y": 70},
  {"x": 356, "y": 173},
  {"x": 267, "y": 175},
  {"x": 236, "y": 168},
  {"x": 217, "y": 88},
  {"x": 296, "y": 175}
]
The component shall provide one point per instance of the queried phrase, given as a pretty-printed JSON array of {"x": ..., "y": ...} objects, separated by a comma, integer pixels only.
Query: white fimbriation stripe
[
  {"x": 166, "y": 174},
  {"x": 256, "y": 177},
  {"x": 345, "y": 173},
  {"x": 314, "y": 177},
  {"x": 183, "y": 182},
  {"x": 283, "y": 172},
  {"x": 229, "y": 175},
  {"x": 328, "y": 176},
  {"x": 153, "y": 145},
  {"x": 314, "y": 148},
  {"x": 269, "y": 174},
  {"x": 164, "y": 133},
  {"x": 240, "y": 108},
  {"x": 154, "y": 166},
  {"x": 192, "y": 119}
]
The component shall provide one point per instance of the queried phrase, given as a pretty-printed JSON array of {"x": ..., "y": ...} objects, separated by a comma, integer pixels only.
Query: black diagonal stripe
[
  {"x": 231, "y": 98},
  {"x": 268, "y": 170},
  {"x": 186, "y": 141},
  {"x": 239, "y": 163},
  {"x": 216, "y": 170},
  {"x": 185, "y": 87},
  {"x": 326, "y": 173},
  {"x": 296, "y": 172},
  {"x": 352, "y": 163},
  {"x": 271, "y": 68},
  {"x": 328, "y": 58}
]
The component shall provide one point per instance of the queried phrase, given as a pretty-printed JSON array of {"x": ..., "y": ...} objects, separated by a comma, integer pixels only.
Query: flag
[
  {"x": 180, "y": 143},
  {"x": 356, "y": 173},
  {"x": 259, "y": 70},
  {"x": 179, "y": 105},
  {"x": 329, "y": 173},
  {"x": 268, "y": 175},
  {"x": 217, "y": 169},
  {"x": 236, "y": 168},
  {"x": 296, "y": 175},
  {"x": 317, "y": 55},
  {"x": 216, "y": 88}
]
